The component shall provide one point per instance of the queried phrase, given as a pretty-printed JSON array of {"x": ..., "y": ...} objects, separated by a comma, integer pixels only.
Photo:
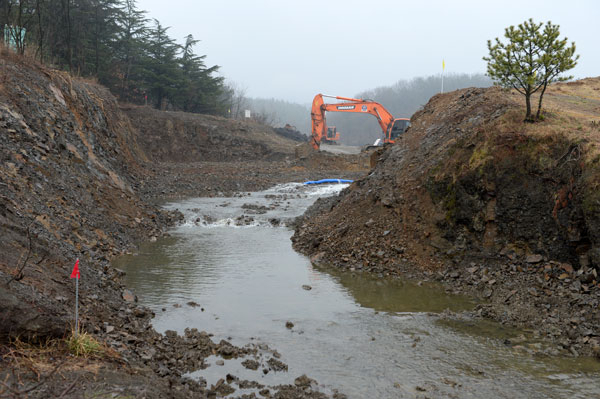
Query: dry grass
[
  {"x": 9, "y": 54},
  {"x": 83, "y": 344},
  {"x": 570, "y": 110},
  {"x": 29, "y": 367}
]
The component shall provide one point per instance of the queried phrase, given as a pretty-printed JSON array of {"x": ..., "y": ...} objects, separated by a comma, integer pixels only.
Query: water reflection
[{"x": 395, "y": 295}]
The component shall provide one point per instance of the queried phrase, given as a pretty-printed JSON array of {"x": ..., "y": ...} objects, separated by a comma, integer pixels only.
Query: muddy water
[{"x": 360, "y": 335}]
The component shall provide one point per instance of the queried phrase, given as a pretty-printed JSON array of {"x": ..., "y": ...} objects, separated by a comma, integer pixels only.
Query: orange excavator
[{"x": 391, "y": 127}]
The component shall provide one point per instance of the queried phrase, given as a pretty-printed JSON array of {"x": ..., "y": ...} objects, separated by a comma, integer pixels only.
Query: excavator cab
[
  {"x": 400, "y": 125},
  {"x": 332, "y": 133}
]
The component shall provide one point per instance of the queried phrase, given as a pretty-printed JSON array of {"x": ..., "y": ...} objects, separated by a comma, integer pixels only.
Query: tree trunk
[
  {"x": 528, "y": 117},
  {"x": 539, "y": 110}
]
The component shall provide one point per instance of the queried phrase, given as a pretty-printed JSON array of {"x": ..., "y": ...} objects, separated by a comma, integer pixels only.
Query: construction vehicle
[
  {"x": 392, "y": 127},
  {"x": 332, "y": 135}
]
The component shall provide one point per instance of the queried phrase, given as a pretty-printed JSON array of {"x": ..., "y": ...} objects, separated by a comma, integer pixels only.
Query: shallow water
[{"x": 364, "y": 336}]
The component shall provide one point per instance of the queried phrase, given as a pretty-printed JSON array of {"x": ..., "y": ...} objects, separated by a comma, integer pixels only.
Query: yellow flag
[{"x": 443, "y": 65}]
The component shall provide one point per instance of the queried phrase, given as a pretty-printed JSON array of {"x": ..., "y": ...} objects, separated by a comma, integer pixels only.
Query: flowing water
[{"x": 366, "y": 337}]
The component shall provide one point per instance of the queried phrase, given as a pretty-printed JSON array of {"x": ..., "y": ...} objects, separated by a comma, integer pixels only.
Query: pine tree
[
  {"x": 200, "y": 90},
  {"x": 530, "y": 60},
  {"x": 163, "y": 77},
  {"x": 129, "y": 51}
]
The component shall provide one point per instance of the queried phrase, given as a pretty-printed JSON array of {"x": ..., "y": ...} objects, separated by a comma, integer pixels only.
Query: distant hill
[{"x": 402, "y": 99}]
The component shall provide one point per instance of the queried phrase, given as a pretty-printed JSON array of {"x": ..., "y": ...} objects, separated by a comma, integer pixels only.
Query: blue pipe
[{"x": 328, "y": 181}]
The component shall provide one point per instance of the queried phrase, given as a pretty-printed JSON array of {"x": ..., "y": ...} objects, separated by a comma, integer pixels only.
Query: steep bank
[
  {"x": 471, "y": 195},
  {"x": 75, "y": 183},
  {"x": 70, "y": 170}
]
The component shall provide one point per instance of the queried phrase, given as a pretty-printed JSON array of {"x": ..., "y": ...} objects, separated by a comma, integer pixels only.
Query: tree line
[{"x": 114, "y": 41}]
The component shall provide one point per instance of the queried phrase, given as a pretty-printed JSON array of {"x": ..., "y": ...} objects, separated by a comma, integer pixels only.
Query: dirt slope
[
  {"x": 487, "y": 202},
  {"x": 68, "y": 190},
  {"x": 182, "y": 137}
]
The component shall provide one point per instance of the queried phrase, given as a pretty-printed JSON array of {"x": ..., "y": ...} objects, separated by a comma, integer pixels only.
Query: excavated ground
[
  {"x": 494, "y": 207},
  {"x": 470, "y": 196},
  {"x": 77, "y": 180}
]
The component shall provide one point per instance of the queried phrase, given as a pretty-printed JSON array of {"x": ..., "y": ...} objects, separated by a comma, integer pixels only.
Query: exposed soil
[
  {"x": 470, "y": 196},
  {"x": 493, "y": 207},
  {"x": 78, "y": 180}
]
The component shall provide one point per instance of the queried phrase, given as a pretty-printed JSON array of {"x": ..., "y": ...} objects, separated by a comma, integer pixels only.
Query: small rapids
[{"x": 363, "y": 336}]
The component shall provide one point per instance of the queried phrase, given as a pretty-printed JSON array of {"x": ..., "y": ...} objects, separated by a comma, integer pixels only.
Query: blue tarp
[{"x": 328, "y": 181}]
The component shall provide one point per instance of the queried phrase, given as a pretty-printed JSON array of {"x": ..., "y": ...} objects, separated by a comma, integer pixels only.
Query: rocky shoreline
[{"x": 485, "y": 204}]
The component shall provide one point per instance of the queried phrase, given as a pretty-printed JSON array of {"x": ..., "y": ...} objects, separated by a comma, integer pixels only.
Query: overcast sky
[{"x": 293, "y": 50}]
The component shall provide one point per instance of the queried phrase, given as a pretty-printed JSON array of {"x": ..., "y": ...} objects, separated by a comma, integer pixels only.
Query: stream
[{"x": 363, "y": 336}]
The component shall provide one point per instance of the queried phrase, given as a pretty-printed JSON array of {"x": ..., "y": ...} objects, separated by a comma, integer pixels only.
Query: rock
[
  {"x": 277, "y": 365},
  {"x": 108, "y": 328},
  {"x": 587, "y": 278},
  {"x": 250, "y": 364},
  {"x": 128, "y": 296},
  {"x": 226, "y": 349},
  {"x": 535, "y": 258},
  {"x": 303, "y": 381},
  {"x": 306, "y": 287},
  {"x": 317, "y": 258},
  {"x": 289, "y": 324},
  {"x": 220, "y": 362},
  {"x": 566, "y": 267}
]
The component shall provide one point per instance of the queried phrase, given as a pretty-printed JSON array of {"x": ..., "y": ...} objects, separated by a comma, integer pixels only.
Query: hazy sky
[{"x": 293, "y": 50}]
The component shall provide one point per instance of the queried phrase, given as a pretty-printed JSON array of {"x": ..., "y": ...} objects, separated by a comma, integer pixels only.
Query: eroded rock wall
[{"x": 68, "y": 178}]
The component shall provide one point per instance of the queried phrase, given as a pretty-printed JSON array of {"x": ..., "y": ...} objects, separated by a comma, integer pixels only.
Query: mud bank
[{"x": 493, "y": 207}]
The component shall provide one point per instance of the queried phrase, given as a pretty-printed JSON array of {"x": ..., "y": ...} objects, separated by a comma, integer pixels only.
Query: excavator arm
[{"x": 384, "y": 118}]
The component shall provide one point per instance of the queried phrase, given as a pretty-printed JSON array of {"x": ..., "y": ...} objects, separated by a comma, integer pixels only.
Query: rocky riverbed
[{"x": 77, "y": 183}]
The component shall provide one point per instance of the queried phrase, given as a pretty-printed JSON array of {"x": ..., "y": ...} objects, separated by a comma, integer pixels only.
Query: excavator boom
[{"x": 391, "y": 127}]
